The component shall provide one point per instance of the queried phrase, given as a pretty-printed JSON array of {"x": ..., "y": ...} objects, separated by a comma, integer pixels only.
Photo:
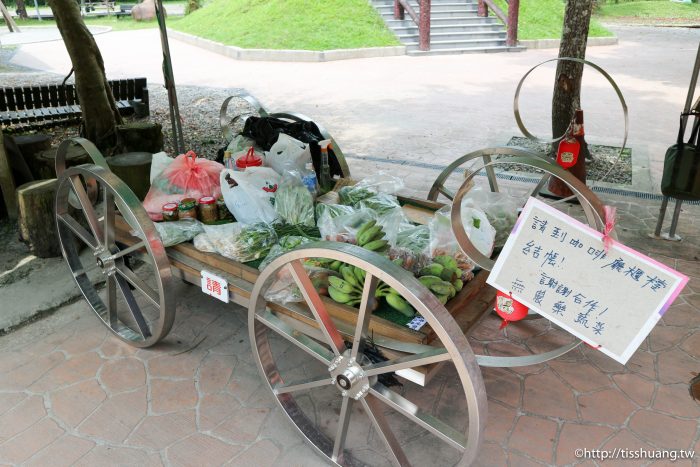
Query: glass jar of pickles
[
  {"x": 224, "y": 213},
  {"x": 187, "y": 209},
  {"x": 208, "y": 211},
  {"x": 169, "y": 211}
]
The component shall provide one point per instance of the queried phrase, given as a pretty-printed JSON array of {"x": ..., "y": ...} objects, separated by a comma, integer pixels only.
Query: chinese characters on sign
[
  {"x": 559, "y": 268},
  {"x": 215, "y": 286}
]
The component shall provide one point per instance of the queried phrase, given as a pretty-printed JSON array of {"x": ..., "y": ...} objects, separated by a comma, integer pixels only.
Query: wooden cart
[{"x": 128, "y": 278}]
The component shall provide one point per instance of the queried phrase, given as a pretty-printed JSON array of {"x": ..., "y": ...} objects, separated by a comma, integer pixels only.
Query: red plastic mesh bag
[{"x": 186, "y": 177}]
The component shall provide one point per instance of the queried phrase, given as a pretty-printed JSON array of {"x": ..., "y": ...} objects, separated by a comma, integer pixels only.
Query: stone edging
[
  {"x": 238, "y": 53},
  {"x": 554, "y": 43}
]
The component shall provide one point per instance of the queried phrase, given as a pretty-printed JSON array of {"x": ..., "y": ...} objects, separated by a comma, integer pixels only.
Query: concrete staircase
[{"x": 455, "y": 28}]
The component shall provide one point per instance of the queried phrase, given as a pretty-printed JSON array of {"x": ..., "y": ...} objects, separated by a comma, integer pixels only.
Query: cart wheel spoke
[
  {"x": 301, "y": 385},
  {"x": 416, "y": 415},
  {"x": 108, "y": 224},
  {"x": 133, "y": 307},
  {"x": 409, "y": 361},
  {"x": 374, "y": 411},
  {"x": 343, "y": 423},
  {"x": 78, "y": 230},
  {"x": 543, "y": 181},
  {"x": 302, "y": 341},
  {"x": 87, "y": 208},
  {"x": 139, "y": 284},
  {"x": 313, "y": 300},
  {"x": 446, "y": 192},
  {"x": 111, "y": 301},
  {"x": 364, "y": 314}
]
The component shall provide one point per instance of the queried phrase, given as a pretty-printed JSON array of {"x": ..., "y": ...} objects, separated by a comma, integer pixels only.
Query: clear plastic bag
[
  {"x": 381, "y": 182},
  {"x": 284, "y": 290},
  {"x": 392, "y": 222},
  {"x": 501, "y": 209},
  {"x": 408, "y": 259},
  {"x": 330, "y": 211},
  {"x": 221, "y": 236},
  {"x": 294, "y": 202},
  {"x": 186, "y": 177},
  {"x": 476, "y": 225},
  {"x": 381, "y": 203},
  {"x": 415, "y": 238},
  {"x": 288, "y": 154},
  {"x": 202, "y": 243},
  {"x": 172, "y": 233},
  {"x": 344, "y": 227},
  {"x": 285, "y": 244}
]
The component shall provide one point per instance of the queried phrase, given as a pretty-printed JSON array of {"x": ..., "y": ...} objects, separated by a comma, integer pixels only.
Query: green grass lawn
[
  {"x": 121, "y": 24},
  {"x": 289, "y": 24},
  {"x": 651, "y": 10},
  {"x": 543, "y": 19}
]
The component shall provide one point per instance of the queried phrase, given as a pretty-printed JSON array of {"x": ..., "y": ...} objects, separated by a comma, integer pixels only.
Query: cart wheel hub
[{"x": 349, "y": 377}]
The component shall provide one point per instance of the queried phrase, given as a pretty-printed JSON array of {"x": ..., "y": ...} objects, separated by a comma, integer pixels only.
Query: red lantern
[
  {"x": 509, "y": 309},
  {"x": 567, "y": 155}
]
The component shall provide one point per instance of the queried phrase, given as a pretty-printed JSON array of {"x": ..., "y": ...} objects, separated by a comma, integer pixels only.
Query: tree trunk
[
  {"x": 36, "y": 225},
  {"x": 21, "y": 9},
  {"x": 567, "y": 85},
  {"x": 100, "y": 114}
]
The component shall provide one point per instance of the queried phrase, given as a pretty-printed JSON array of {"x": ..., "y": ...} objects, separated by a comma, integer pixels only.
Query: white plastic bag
[
  {"x": 159, "y": 162},
  {"x": 500, "y": 208},
  {"x": 288, "y": 154},
  {"x": 476, "y": 225},
  {"x": 479, "y": 230},
  {"x": 250, "y": 195}
]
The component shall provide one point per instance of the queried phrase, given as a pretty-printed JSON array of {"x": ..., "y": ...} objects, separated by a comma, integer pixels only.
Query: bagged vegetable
[
  {"x": 392, "y": 222},
  {"x": 288, "y": 154},
  {"x": 250, "y": 195},
  {"x": 186, "y": 177},
  {"x": 202, "y": 243},
  {"x": 381, "y": 203},
  {"x": 251, "y": 242},
  {"x": 284, "y": 290},
  {"x": 416, "y": 239},
  {"x": 218, "y": 237},
  {"x": 344, "y": 227},
  {"x": 241, "y": 143},
  {"x": 369, "y": 187},
  {"x": 331, "y": 211},
  {"x": 476, "y": 225},
  {"x": 294, "y": 202},
  {"x": 501, "y": 209},
  {"x": 172, "y": 233},
  {"x": 479, "y": 230},
  {"x": 285, "y": 244}
]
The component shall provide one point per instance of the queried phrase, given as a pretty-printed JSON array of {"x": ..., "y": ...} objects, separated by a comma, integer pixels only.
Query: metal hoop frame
[
  {"x": 227, "y": 130},
  {"x": 516, "y": 99},
  {"x": 100, "y": 239},
  {"x": 334, "y": 352},
  {"x": 96, "y": 157}
]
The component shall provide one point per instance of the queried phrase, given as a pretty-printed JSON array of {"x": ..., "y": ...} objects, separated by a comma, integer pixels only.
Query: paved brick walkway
[{"x": 70, "y": 393}]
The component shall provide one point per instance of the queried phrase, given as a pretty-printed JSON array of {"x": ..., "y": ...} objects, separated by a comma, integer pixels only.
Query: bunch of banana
[
  {"x": 371, "y": 236},
  {"x": 442, "y": 277},
  {"x": 348, "y": 289}
]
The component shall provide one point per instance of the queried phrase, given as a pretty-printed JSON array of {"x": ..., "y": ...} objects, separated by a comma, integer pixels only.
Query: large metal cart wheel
[
  {"x": 230, "y": 124},
  {"x": 135, "y": 303},
  {"x": 95, "y": 156},
  {"x": 339, "y": 377},
  {"x": 595, "y": 217}
]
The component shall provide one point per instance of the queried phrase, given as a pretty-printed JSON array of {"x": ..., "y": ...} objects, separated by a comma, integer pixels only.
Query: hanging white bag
[
  {"x": 250, "y": 195},
  {"x": 288, "y": 154}
]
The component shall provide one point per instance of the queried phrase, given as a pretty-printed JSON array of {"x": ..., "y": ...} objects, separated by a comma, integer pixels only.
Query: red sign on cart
[{"x": 215, "y": 286}]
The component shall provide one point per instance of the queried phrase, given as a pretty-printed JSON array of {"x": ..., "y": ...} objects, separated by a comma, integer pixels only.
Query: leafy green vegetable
[
  {"x": 252, "y": 242},
  {"x": 294, "y": 202},
  {"x": 352, "y": 195},
  {"x": 381, "y": 203}
]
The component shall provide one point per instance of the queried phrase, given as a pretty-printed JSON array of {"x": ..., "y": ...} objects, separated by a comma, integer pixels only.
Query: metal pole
[
  {"x": 38, "y": 13},
  {"x": 674, "y": 221},
  {"x": 662, "y": 214},
  {"x": 178, "y": 140}
]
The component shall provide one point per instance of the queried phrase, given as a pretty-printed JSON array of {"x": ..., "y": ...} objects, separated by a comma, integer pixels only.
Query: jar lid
[
  {"x": 207, "y": 200},
  {"x": 188, "y": 203},
  {"x": 170, "y": 207},
  {"x": 249, "y": 160}
]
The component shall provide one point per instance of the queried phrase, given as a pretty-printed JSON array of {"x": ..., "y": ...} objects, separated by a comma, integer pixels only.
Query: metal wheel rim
[
  {"x": 226, "y": 123},
  {"x": 591, "y": 204},
  {"x": 439, "y": 188},
  {"x": 100, "y": 238},
  {"x": 516, "y": 99},
  {"x": 261, "y": 321},
  {"x": 96, "y": 157}
]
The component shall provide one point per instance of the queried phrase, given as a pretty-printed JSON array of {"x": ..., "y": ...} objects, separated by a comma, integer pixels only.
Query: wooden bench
[{"x": 56, "y": 104}]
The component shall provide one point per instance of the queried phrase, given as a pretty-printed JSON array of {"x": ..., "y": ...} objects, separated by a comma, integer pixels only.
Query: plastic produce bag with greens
[
  {"x": 285, "y": 244},
  {"x": 242, "y": 243},
  {"x": 501, "y": 209},
  {"x": 294, "y": 202},
  {"x": 172, "y": 233},
  {"x": 381, "y": 182}
]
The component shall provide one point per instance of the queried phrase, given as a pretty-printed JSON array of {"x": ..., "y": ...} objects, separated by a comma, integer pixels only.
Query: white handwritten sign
[{"x": 558, "y": 267}]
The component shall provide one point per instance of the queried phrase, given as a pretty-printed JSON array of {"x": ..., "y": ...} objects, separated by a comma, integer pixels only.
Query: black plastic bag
[{"x": 681, "y": 175}]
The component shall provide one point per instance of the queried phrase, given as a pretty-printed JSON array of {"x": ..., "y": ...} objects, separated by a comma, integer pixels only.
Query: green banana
[
  {"x": 375, "y": 245},
  {"x": 354, "y": 302},
  {"x": 349, "y": 276},
  {"x": 400, "y": 305},
  {"x": 429, "y": 280},
  {"x": 341, "y": 285},
  {"x": 370, "y": 234},
  {"x": 442, "y": 288},
  {"x": 339, "y": 296},
  {"x": 448, "y": 274},
  {"x": 359, "y": 274},
  {"x": 446, "y": 261},
  {"x": 433, "y": 269},
  {"x": 366, "y": 226},
  {"x": 442, "y": 298},
  {"x": 458, "y": 284},
  {"x": 335, "y": 265}
]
